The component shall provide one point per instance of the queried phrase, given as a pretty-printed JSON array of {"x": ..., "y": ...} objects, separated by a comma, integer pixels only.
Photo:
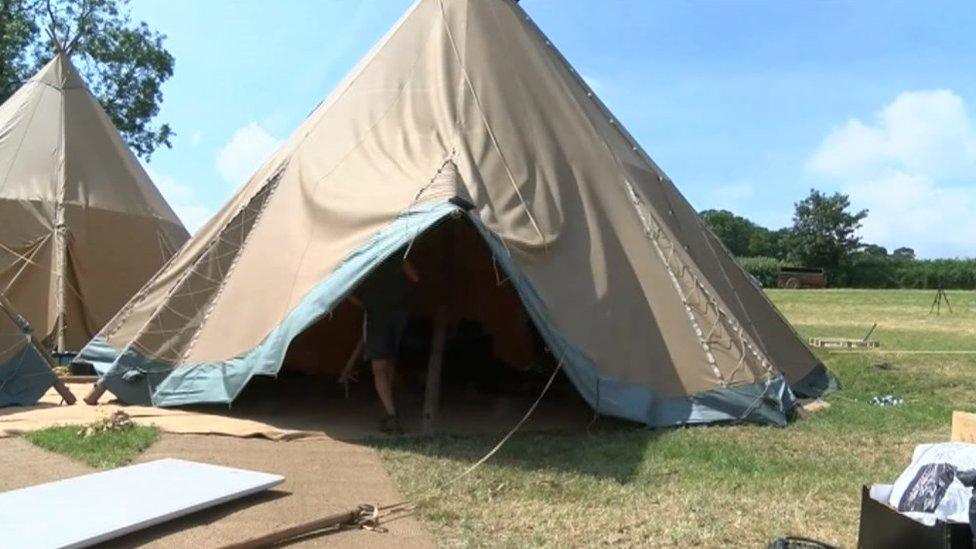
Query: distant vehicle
[{"x": 796, "y": 278}]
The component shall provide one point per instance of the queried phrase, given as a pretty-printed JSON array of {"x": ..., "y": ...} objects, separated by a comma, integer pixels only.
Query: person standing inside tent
[{"x": 385, "y": 298}]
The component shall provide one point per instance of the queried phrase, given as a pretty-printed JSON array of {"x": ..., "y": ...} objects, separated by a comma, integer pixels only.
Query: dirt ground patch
[{"x": 24, "y": 464}]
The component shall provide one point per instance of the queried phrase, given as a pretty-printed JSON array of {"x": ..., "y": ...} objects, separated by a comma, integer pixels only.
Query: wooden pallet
[{"x": 842, "y": 343}]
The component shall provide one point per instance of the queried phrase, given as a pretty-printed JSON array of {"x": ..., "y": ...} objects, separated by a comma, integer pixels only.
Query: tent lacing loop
[{"x": 652, "y": 228}]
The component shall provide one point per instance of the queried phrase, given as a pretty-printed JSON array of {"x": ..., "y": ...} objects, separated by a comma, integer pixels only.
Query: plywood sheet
[{"x": 89, "y": 509}]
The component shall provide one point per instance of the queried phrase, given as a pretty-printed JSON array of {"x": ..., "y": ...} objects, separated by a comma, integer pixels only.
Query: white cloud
[
  {"x": 247, "y": 149},
  {"x": 915, "y": 211},
  {"x": 184, "y": 201},
  {"x": 914, "y": 168}
]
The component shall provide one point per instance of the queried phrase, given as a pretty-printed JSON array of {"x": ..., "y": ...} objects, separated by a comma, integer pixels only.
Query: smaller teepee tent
[
  {"x": 25, "y": 368},
  {"x": 82, "y": 227}
]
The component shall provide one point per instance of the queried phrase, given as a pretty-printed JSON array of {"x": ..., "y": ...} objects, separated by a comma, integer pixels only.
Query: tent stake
[{"x": 364, "y": 515}]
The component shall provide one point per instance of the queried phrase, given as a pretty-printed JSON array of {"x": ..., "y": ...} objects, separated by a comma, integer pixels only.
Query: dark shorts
[{"x": 382, "y": 332}]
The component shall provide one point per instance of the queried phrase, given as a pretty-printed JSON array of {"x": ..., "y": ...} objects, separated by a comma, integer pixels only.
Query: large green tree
[
  {"x": 767, "y": 243},
  {"x": 18, "y": 30},
  {"x": 734, "y": 231},
  {"x": 743, "y": 237},
  {"x": 124, "y": 62},
  {"x": 824, "y": 232}
]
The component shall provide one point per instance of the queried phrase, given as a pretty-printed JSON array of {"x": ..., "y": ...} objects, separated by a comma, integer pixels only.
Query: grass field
[
  {"x": 717, "y": 486},
  {"x": 103, "y": 449}
]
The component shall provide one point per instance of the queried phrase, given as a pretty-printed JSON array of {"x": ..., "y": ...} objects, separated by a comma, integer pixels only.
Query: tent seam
[
  {"x": 491, "y": 133},
  {"x": 13, "y": 158}
]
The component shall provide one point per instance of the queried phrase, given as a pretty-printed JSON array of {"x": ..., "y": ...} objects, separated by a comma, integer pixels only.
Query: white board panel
[{"x": 81, "y": 511}]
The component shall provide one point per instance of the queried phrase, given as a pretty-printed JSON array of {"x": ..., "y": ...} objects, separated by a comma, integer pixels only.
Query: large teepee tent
[
  {"x": 466, "y": 110},
  {"x": 82, "y": 227}
]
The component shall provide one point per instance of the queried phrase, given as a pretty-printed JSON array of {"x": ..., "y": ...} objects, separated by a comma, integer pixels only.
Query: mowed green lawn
[{"x": 717, "y": 486}]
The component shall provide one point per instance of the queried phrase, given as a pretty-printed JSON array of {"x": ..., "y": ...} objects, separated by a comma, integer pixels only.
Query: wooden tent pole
[
  {"x": 65, "y": 392},
  {"x": 97, "y": 390},
  {"x": 432, "y": 394},
  {"x": 59, "y": 386},
  {"x": 347, "y": 371},
  {"x": 435, "y": 364}
]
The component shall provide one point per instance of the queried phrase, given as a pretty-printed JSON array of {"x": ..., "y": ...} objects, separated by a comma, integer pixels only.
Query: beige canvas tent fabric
[
  {"x": 82, "y": 227},
  {"x": 467, "y": 98}
]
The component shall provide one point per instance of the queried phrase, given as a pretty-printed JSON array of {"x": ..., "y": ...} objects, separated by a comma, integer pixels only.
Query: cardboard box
[
  {"x": 963, "y": 427},
  {"x": 884, "y": 527}
]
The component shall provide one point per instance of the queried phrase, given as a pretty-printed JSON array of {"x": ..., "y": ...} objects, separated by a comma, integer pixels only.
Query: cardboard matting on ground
[
  {"x": 15, "y": 421},
  {"x": 141, "y": 495},
  {"x": 322, "y": 477}
]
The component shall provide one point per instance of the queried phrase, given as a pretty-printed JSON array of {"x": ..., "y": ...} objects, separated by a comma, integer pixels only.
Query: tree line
[
  {"x": 824, "y": 235},
  {"x": 123, "y": 61}
]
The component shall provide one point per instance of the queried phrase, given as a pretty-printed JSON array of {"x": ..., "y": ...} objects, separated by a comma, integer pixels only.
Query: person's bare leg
[{"x": 383, "y": 379}]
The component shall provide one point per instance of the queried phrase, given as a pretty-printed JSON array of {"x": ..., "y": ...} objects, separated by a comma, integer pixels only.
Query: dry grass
[{"x": 715, "y": 486}]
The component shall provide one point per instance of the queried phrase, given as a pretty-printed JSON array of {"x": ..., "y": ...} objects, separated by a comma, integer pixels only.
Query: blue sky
[{"x": 745, "y": 104}]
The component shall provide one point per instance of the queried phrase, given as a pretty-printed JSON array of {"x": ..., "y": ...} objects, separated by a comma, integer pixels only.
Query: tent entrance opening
[{"x": 493, "y": 361}]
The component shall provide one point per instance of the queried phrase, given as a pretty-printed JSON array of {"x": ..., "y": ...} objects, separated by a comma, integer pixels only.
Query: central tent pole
[
  {"x": 435, "y": 364},
  {"x": 432, "y": 394}
]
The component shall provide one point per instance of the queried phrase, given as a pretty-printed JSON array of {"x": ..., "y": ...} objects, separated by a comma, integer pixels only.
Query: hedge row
[
  {"x": 874, "y": 271},
  {"x": 886, "y": 272},
  {"x": 764, "y": 269}
]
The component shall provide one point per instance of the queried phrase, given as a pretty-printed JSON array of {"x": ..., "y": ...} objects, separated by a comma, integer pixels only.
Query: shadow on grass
[{"x": 611, "y": 450}]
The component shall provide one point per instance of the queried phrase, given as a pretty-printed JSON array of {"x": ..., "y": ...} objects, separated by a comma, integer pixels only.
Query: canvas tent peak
[
  {"x": 55, "y": 42},
  {"x": 466, "y": 102},
  {"x": 82, "y": 226}
]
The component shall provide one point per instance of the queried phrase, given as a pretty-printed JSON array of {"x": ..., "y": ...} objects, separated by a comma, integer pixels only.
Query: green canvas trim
[
  {"x": 25, "y": 377},
  {"x": 817, "y": 383}
]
